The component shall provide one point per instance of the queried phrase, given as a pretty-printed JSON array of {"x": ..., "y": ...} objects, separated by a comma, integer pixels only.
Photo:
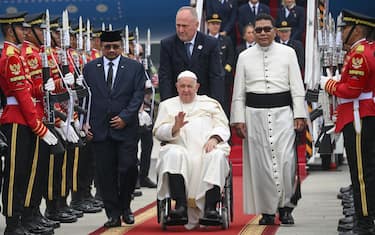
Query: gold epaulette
[
  {"x": 360, "y": 49},
  {"x": 10, "y": 51}
]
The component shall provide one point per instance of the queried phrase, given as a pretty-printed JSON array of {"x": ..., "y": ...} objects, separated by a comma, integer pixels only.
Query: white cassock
[
  {"x": 268, "y": 150},
  {"x": 184, "y": 154}
]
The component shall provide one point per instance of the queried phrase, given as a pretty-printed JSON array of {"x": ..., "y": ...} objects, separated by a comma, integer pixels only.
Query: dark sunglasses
[
  {"x": 109, "y": 46},
  {"x": 266, "y": 29}
]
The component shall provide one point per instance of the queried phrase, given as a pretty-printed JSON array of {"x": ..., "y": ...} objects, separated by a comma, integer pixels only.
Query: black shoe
[
  {"x": 60, "y": 216},
  {"x": 113, "y": 222},
  {"x": 85, "y": 206},
  {"x": 345, "y": 227},
  {"x": 346, "y": 220},
  {"x": 45, "y": 221},
  {"x": 137, "y": 193},
  {"x": 211, "y": 214},
  {"x": 95, "y": 201},
  {"x": 18, "y": 230},
  {"x": 285, "y": 215},
  {"x": 267, "y": 219},
  {"x": 69, "y": 210},
  {"x": 179, "y": 213},
  {"x": 128, "y": 216},
  {"x": 33, "y": 227},
  {"x": 146, "y": 182}
]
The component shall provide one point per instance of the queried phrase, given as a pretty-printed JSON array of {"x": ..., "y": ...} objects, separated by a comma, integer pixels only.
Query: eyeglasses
[
  {"x": 109, "y": 46},
  {"x": 266, "y": 29}
]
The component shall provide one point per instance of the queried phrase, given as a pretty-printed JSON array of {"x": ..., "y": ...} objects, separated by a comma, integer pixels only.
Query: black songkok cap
[
  {"x": 111, "y": 36},
  {"x": 355, "y": 18},
  {"x": 13, "y": 18}
]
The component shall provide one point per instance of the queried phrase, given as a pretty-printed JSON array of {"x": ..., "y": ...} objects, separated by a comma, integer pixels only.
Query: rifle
[{"x": 49, "y": 99}]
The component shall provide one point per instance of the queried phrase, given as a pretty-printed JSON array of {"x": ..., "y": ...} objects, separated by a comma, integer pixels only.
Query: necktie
[
  {"x": 188, "y": 52},
  {"x": 254, "y": 10},
  {"x": 110, "y": 76}
]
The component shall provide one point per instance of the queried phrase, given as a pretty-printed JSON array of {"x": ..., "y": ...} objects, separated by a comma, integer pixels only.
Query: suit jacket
[
  {"x": 240, "y": 48},
  {"x": 227, "y": 12},
  {"x": 295, "y": 19},
  {"x": 246, "y": 15},
  {"x": 123, "y": 100},
  {"x": 205, "y": 63},
  {"x": 298, "y": 48}
]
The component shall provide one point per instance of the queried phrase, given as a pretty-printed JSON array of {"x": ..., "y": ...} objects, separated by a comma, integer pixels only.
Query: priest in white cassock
[
  {"x": 192, "y": 164},
  {"x": 267, "y": 108}
]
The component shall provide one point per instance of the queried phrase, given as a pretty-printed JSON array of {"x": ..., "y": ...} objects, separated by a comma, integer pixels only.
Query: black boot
[
  {"x": 212, "y": 197},
  {"x": 285, "y": 215},
  {"x": 53, "y": 213},
  {"x": 14, "y": 227},
  {"x": 178, "y": 193},
  {"x": 267, "y": 219}
]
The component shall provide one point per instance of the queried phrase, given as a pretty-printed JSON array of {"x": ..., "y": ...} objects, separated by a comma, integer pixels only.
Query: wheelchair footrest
[
  {"x": 210, "y": 222},
  {"x": 172, "y": 222}
]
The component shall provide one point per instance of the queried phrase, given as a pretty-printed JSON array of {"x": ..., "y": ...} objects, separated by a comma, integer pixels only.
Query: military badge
[
  {"x": 33, "y": 63},
  {"x": 357, "y": 62},
  {"x": 15, "y": 69}
]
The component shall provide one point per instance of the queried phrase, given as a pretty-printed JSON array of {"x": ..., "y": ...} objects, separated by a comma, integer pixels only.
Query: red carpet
[{"x": 146, "y": 221}]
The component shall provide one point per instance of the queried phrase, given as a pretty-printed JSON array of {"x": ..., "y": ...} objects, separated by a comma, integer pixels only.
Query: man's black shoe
[
  {"x": 285, "y": 215},
  {"x": 137, "y": 193},
  {"x": 345, "y": 227},
  {"x": 45, "y": 221},
  {"x": 267, "y": 219},
  {"x": 113, "y": 222},
  {"x": 211, "y": 214},
  {"x": 179, "y": 213},
  {"x": 85, "y": 206},
  {"x": 69, "y": 210},
  {"x": 346, "y": 220},
  {"x": 19, "y": 230},
  {"x": 33, "y": 227},
  {"x": 147, "y": 182},
  {"x": 128, "y": 216},
  {"x": 60, "y": 216}
]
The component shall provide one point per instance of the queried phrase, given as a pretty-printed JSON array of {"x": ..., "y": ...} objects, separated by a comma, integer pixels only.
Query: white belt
[
  {"x": 11, "y": 100},
  {"x": 357, "y": 118}
]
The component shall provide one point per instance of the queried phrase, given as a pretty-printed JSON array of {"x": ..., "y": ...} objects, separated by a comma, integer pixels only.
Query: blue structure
[{"x": 159, "y": 16}]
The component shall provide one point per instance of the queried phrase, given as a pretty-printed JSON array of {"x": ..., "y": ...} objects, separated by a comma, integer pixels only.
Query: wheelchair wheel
[
  {"x": 225, "y": 219},
  {"x": 228, "y": 194}
]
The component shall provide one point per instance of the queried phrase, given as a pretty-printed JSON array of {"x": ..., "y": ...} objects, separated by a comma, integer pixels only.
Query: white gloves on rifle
[
  {"x": 79, "y": 80},
  {"x": 67, "y": 132},
  {"x": 77, "y": 126},
  {"x": 50, "y": 85},
  {"x": 324, "y": 79},
  {"x": 69, "y": 78},
  {"x": 49, "y": 138}
]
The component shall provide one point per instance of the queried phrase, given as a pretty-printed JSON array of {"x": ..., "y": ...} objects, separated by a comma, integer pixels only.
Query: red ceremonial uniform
[
  {"x": 357, "y": 82},
  {"x": 95, "y": 53},
  {"x": 17, "y": 86}
]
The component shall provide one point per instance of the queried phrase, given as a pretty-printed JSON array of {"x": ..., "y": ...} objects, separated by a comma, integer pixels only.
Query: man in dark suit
[
  {"x": 190, "y": 50},
  {"x": 117, "y": 86},
  {"x": 248, "y": 12},
  {"x": 227, "y": 10},
  {"x": 248, "y": 40},
  {"x": 226, "y": 55},
  {"x": 295, "y": 16},
  {"x": 283, "y": 33}
]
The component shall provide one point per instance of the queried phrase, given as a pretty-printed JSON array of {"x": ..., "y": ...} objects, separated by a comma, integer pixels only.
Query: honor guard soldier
[
  {"x": 356, "y": 113},
  {"x": 19, "y": 122},
  {"x": 226, "y": 55},
  {"x": 95, "y": 43}
]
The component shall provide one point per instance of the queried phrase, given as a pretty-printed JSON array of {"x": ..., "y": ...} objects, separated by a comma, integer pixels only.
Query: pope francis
[{"x": 192, "y": 164}]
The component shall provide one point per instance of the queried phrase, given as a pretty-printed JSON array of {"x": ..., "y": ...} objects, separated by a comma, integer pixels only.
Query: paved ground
[{"x": 317, "y": 213}]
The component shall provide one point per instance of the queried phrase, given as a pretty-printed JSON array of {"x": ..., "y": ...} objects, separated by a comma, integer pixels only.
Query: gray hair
[{"x": 192, "y": 11}]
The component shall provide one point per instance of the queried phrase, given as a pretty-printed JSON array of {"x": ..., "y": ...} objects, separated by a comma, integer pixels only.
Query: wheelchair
[{"x": 224, "y": 208}]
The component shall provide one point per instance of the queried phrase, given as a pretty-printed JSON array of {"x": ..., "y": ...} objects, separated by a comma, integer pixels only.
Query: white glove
[
  {"x": 50, "y": 85},
  {"x": 49, "y": 138},
  {"x": 69, "y": 78},
  {"x": 79, "y": 80},
  {"x": 323, "y": 82},
  {"x": 77, "y": 125},
  {"x": 61, "y": 132},
  {"x": 70, "y": 134}
]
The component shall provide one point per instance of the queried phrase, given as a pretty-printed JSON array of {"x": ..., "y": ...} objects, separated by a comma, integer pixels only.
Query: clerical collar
[{"x": 267, "y": 48}]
